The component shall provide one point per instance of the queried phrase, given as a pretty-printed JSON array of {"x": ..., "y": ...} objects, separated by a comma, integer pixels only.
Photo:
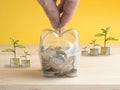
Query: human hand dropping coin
[{"x": 53, "y": 11}]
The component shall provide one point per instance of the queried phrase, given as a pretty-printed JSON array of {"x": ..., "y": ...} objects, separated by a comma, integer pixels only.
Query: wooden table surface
[{"x": 96, "y": 73}]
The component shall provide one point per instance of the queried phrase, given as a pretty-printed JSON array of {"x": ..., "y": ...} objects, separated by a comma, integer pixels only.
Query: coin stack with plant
[
  {"x": 14, "y": 62},
  {"x": 25, "y": 62},
  {"x": 105, "y": 50},
  {"x": 94, "y": 51},
  {"x": 84, "y": 51}
]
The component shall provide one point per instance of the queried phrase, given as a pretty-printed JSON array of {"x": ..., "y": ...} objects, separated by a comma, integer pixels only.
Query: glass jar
[{"x": 59, "y": 52}]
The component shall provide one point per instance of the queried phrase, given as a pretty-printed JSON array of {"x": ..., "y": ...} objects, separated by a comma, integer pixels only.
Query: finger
[
  {"x": 60, "y": 6},
  {"x": 51, "y": 11},
  {"x": 55, "y": 1},
  {"x": 68, "y": 11}
]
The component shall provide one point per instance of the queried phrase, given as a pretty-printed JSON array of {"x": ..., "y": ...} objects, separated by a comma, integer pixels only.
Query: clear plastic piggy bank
[{"x": 59, "y": 52}]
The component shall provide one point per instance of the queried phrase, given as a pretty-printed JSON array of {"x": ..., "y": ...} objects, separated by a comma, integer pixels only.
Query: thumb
[{"x": 68, "y": 11}]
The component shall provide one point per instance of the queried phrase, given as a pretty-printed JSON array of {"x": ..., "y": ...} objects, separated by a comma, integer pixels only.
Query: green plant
[
  {"x": 25, "y": 55},
  {"x": 15, "y": 45},
  {"x": 93, "y": 42},
  {"x": 104, "y": 34},
  {"x": 84, "y": 48}
]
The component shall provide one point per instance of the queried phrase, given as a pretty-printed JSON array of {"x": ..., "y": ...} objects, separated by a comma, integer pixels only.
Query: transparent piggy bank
[{"x": 59, "y": 52}]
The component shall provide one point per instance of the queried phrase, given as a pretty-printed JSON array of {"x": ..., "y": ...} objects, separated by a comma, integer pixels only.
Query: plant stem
[
  {"x": 25, "y": 57},
  {"x": 14, "y": 50},
  {"x": 105, "y": 39},
  {"x": 94, "y": 45}
]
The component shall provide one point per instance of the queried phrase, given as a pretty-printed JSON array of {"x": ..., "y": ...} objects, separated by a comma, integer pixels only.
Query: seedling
[
  {"x": 94, "y": 51},
  {"x": 15, "y": 45},
  {"x": 93, "y": 42},
  {"x": 84, "y": 52},
  {"x": 105, "y": 50},
  {"x": 84, "y": 48},
  {"x": 105, "y": 35},
  {"x": 25, "y": 55},
  {"x": 25, "y": 62},
  {"x": 14, "y": 62}
]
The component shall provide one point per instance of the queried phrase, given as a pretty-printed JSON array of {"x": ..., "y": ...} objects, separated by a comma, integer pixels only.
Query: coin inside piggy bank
[{"x": 60, "y": 53}]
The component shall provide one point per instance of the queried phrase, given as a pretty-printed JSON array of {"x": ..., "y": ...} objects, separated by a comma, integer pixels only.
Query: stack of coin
[{"x": 57, "y": 62}]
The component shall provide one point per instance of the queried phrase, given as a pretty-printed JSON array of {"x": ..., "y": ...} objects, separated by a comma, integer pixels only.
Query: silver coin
[
  {"x": 67, "y": 68},
  {"x": 46, "y": 66},
  {"x": 49, "y": 73},
  {"x": 57, "y": 61},
  {"x": 72, "y": 73},
  {"x": 62, "y": 52},
  {"x": 51, "y": 51},
  {"x": 70, "y": 60},
  {"x": 45, "y": 58}
]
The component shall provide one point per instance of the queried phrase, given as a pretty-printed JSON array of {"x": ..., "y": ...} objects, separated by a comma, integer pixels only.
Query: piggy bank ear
[
  {"x": 72, "y": 35},
  {"x": 47, "y": 33}
]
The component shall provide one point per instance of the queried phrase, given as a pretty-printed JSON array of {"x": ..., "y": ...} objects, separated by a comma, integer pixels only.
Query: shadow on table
[
  {"x": 7, "y": 66},
  {"x": 24, "y": 73}
]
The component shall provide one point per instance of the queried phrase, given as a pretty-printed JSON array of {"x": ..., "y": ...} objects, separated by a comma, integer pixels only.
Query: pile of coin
[{"x": 57, "y": 61}]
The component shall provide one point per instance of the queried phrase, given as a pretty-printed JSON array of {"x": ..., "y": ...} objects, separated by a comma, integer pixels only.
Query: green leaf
[
  {"x": 91, "y": 43},
  {"x": 12, "y": 41},
  {"x": 25, "y": 52},
  {"x": 85, "y": 47},
  {"x": 23, "y": 56},
  {"x": 16, "y": 41},
  {"x": 111, "y": 38},
  {"x": 103, "y": 30},
  {"x": 97, "y": 45},
  {"x": 8, "y": 50},
  {"x": 94, "y": 40},
  {"x": 28, "y": 54},
  {"x": 107, "y": 29},
  {"x": 20, "y": 46},
  {"x": 99, "y": 35}
]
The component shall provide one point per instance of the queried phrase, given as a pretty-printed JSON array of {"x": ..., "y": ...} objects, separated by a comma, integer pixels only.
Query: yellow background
[{"x": 24, "y": 19}]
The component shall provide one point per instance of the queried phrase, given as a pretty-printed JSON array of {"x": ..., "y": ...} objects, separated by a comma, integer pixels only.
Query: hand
[{"x": 59, "y": 15}]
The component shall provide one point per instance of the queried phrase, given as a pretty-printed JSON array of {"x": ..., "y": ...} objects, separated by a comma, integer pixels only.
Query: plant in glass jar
[
  {"x": 94, "y": 51},
  {"x": 26, "y": 61},
  {"x": 14, "y": 62},
  {"x": 105, "y": 50},
  {"x": 84, "y": 51}
]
